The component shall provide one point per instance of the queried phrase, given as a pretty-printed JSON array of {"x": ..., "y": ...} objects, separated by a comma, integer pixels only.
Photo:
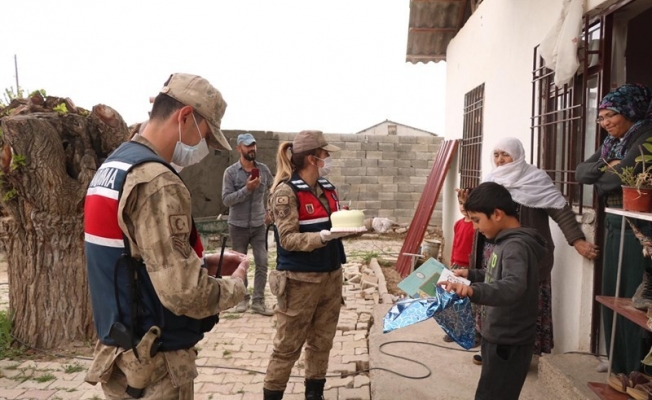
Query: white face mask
[
  {"x": 328, "y": 166},
  {"x": 185, "y": 155}
]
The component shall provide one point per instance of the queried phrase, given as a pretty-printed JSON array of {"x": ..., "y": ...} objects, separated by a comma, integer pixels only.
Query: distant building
[{"x": 391, "y": 128}]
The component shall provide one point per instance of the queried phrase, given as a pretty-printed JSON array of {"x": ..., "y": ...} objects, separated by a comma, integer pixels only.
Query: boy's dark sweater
[{"x": 509, "y": 287}]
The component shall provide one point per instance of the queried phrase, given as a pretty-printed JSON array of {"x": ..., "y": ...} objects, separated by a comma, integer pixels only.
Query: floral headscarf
[{"x": 633, "y": 102}]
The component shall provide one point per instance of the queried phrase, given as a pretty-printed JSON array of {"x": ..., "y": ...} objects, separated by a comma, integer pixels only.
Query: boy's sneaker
[
  {"x": 477, "y": 359},
  {"x": 261, "y": 308},
  {"x": 242, "y": 306}
]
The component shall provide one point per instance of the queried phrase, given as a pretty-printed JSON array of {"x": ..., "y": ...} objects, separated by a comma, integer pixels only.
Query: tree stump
[{"x": 47, "y": 160}]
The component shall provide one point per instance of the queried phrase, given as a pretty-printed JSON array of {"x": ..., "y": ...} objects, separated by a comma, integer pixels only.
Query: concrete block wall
[{"x": 383, "y": 175}]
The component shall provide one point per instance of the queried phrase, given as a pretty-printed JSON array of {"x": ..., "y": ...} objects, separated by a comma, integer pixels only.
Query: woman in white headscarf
[{"x": 539, "y": 200}]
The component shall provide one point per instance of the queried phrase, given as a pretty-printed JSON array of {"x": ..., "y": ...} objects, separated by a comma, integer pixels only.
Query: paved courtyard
[{"x": 233, "y": 356}]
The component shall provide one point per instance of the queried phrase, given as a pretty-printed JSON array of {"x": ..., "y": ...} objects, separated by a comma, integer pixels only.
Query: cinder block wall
[{"x": 383, "y": 175}]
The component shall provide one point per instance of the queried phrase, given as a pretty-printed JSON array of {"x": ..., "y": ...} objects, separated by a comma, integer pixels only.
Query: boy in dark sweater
[{"x": 508, "y": 288}]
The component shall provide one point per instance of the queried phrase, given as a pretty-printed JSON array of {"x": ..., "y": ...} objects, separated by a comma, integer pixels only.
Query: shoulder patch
[
  {"x": 282, "y": 200},
  {"x": 179, "y": 224},
  {"x": 182, "y": 246}
]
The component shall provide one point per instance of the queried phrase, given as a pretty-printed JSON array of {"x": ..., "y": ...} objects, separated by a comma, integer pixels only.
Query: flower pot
[{"x": 637, "y": 199}]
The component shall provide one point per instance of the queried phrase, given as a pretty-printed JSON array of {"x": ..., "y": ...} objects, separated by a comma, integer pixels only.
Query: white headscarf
[{"x": 527, "y": 184}]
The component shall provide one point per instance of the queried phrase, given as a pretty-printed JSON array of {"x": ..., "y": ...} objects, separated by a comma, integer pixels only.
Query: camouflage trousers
[
  {"x": 115, "y": 389},
  {"x": 307, "y": 312}
]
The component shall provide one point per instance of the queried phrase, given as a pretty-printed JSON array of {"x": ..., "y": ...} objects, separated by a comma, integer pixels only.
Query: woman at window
[
  {"x": 624, "y": 114},
  {"x": 538, "y": 200}
]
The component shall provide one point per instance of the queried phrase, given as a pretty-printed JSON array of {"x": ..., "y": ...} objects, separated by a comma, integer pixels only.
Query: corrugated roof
[{"x": 433, "y": 24}]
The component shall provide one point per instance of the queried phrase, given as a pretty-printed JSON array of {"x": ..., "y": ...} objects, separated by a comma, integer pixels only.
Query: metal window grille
[
  {"x": 471, "y": 145},
  {"x": 559, "y": 126}
]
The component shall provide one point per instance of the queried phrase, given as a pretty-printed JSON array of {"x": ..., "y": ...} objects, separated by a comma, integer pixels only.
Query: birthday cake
[{"x": 348, "y": 221}]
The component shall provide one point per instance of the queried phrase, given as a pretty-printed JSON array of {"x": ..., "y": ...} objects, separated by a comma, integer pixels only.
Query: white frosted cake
[{"x": 348, "y": 221}]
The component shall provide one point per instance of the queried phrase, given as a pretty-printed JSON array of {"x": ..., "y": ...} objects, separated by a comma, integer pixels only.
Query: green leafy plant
[
  {"x": 6, "y": 340},
  {"x": 5, "y": 333},
  {"x": 45, "y": 378},
  {"x": 17, "y": 161},
  {"x": 10, "y": 195},
  {"x": 628, "y": 175},
  {"x": 39, "y": 91},
  {"x": 368, "y": 256},
  {"x": 61, "y": 109},
  {"x": 72, "y": 368},
  {"x": 11, "y": 94}
]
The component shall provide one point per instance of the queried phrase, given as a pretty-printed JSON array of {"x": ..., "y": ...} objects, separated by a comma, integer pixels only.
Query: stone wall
[{"x": 383, "y": 175}]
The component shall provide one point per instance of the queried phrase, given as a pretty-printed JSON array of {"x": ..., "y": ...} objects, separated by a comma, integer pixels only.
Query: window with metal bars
[
  {"x": 471, "y": 145},
  {"x": 561, "y": 134}
]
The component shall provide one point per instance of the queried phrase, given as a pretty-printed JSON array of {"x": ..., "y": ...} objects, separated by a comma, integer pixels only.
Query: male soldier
[
  {"x": 244, "y": 189},
  {"x": 152, "y": 297}
]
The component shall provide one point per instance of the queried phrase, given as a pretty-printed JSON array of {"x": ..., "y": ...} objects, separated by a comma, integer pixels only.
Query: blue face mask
[{"x": 185, "y": 155}]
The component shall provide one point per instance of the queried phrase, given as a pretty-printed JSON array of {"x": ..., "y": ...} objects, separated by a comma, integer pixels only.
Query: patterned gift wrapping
[{"x": 451, "y": 312}]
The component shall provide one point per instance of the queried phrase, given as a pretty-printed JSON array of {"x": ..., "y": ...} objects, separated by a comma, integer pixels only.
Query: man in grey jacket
[
  {"x": 508, "y": 288},
  {"x": 244, "y": 191}
]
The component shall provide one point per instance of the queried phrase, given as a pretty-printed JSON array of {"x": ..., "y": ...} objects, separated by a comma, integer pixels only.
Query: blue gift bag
[{"x": 451, "y": 312}]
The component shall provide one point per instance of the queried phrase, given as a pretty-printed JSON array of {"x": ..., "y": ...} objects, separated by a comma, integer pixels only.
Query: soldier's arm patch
[
  {"x": 182, "y": 246},
  {"x": 282, "y": 200},
  {"x": 283, "y": 211},
  {"x": 179, "y": 224}
]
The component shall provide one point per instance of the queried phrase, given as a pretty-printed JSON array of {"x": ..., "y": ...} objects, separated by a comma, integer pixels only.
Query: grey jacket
[
  {"x": 246, "y": 209},
  {"x": 509, "y": 287},
  {"x": 590, "y": 171}
]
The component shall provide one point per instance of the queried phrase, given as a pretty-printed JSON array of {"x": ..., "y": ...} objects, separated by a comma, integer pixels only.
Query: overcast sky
[{"x": 336, "y": 65}]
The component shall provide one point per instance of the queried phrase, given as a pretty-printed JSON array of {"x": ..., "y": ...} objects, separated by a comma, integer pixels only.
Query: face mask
[
  {"x": 185, "y": 155},
  {"x": 328, "y": 166}
]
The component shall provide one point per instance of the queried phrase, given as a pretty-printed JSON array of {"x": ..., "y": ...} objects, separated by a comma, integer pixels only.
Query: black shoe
[
  {"x": 272, "y": 394},
  {"x": 448, "y": 339},
  {"x": 477, "y": 359},
  {"x": 315, "y": 389}
]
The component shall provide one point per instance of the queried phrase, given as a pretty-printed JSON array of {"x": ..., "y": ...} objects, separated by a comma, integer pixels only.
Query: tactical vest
[
  {"x": 108, "y": 279},
  {"x": 313, "y": 217}
]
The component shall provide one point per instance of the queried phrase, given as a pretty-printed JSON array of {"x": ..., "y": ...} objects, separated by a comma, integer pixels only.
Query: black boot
[
  {"x": 272, "y": 394},
  {"x": 315, "y": 389}
]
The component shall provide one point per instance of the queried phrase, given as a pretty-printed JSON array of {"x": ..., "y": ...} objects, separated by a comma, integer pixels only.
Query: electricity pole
[{"x": 16, "y": 68}]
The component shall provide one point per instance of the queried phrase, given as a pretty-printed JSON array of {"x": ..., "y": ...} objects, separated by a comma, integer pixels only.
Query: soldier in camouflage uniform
[
  {"x": 137, "y": 205},
  {"x": 308, "y": 277}
]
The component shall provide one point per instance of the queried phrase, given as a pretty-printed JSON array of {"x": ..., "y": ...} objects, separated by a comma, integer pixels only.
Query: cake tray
[{"x": 350, "y": 229}]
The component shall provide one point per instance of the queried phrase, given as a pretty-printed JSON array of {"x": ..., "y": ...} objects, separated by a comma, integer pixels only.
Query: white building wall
[
  {"x": 401, "y": 130},
  {"x": 495, "y": 47}
]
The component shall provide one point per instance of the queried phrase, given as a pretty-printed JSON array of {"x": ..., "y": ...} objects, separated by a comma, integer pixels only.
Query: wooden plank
[
  {"x": 623, "y": 306},
  {"x": 605, "y": 392},
  {"x": 426, "y": 205}
]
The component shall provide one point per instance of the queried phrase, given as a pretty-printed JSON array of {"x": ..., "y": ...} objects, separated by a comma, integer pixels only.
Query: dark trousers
[{"x": 504, "y": 368}]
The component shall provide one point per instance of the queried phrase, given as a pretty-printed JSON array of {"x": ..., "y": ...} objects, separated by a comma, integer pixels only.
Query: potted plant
[{"x": 637, "y": 186}]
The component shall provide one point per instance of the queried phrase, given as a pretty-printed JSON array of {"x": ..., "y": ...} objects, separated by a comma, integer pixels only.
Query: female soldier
[{"x": 308, "y": 277}]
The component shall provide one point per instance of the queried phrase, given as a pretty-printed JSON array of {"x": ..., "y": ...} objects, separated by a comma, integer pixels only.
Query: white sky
[{"x": 282, "y": 65}]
